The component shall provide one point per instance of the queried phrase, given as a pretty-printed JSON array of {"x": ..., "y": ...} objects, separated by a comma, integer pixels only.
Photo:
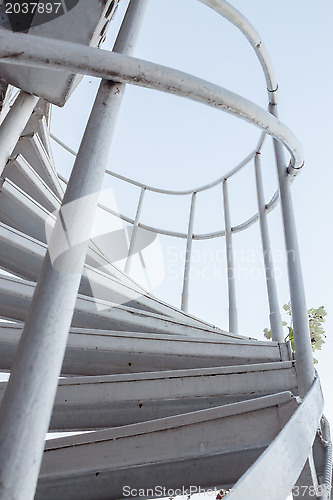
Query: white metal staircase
[{"x": 165, "y": 398}]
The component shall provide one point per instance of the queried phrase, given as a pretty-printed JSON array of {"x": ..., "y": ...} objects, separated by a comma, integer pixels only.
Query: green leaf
[
  {"x": 317, "y": 333},
  {"x": 267, "y": 333}
]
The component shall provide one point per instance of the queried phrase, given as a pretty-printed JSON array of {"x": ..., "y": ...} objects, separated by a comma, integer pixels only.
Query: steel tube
[
  {"x": 27, "y": 405},
  {"x": 326, "y": 486},
  {"x": 13, "y": 125},
  {"x": 53, "y": 54},
  {"x": 189, "y": 242},
  {"x": 216, "y": 234},
  {"x": 303, "y": 349},
  {"x": 237, "y": 19},
  {"x": 233, "y": 320},
  {"x": 274, "y": 310},
  {"x": 134, "y": 232},
  {"x": 233, "y": 171}
]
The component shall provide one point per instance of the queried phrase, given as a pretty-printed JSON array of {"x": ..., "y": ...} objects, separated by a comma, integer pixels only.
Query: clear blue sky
[{"x": 171, "y": 142}]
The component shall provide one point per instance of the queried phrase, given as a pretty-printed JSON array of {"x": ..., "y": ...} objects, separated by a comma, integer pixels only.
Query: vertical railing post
[
  {"x": 27, "y": 403},
  {"x": 134, "y": 232},
  {"x": 14, "y": 124},
  {"x": 233, "y": 320},
  {"x": 184, "y": 304},
  {"x": 303, "y": 349},
  {"x": 274, "y": 310}
]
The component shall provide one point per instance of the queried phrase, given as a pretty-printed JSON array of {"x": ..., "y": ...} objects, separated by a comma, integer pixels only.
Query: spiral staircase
[{"x": 157, "y": 397}]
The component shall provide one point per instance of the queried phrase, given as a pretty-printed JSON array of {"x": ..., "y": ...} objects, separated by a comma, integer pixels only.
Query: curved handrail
[
  {"x": 279, "y": 464},
  {"x": 204, "y": 187},
  {"x": 58, "y": 55},
  {"x": 23, "y": 49},
  {"x": 216, "y": 234},
  {"x": 278, "y": 468},
  {"x": 237, "y": 19}
]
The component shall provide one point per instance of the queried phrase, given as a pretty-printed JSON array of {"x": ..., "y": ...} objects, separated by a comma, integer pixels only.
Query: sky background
[{"x": 174, "y": 143}]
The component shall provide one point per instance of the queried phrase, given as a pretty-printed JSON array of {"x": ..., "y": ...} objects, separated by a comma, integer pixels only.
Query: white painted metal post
[
  {"x": 135, "y": 231},
  {"x": 14, "y": 124},
  {"x": 274, "y": 310},
  {"x": 233, "y": 320},
  {"x": 27, "y": 404},
  {"x": 184, "y": 304},
  {"x": 326, "y": 484},
  {"x": 303, "y": 350}
]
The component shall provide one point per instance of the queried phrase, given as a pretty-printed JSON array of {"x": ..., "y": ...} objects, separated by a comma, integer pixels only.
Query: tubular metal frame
[
  {"x": 23, "y": 425},
  {"x": 122, "y": 69},
  {"x": 58, "y": 55}
]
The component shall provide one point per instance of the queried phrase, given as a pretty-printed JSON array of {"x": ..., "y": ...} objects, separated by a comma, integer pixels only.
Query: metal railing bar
[
  {"x": 233, "y": 321},
  {"x": 217, "y": 234},
  {"x": 326, "y": 485},
  {"x": 63, "y": 145},
  {"x": 302, "y": 339},
  {"x": 59, "y": 55},
  {"x": 13, "y": 125},
  {"x": 282, "y": 462},
  {"x": 237, "y": 19},
  {"x": 212, "y": 184},
  {"x": 34, "y": 377},
  {"x": 187, "y": 266},
  {"x": 274, "y": 310}
]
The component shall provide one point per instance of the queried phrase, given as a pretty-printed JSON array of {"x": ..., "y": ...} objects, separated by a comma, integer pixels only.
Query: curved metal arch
[
  {"x": 216, "y": 234},
  {"x": 237, "y": 19},
  {"x": 204, "y": 187},
  {"x": 278, "y": 468},
  {"x": 59, "y": 55}
]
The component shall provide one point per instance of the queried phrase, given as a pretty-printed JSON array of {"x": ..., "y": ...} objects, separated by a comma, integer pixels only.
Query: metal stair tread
[
  {"x": 26, "y": 253},
  {"x": 86, "y": 313},
  {"x": 23, "y": 175},
  {"x": 31, "y": 147},
  {"x": 90, "y": 352},
  {"x": 113, "y": 400},
  {"x": 100, "y": 458},
  {"x": 20, "y": 211}
]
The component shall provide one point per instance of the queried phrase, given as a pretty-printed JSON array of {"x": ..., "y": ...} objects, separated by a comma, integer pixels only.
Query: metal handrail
[
  {"x": 60, "y": 56},
  {"x": 199, "y": 237},
  {"x": 53, "y": 54},
  {"x": 261, "y": 480},
  {"x": 198, "y": 189},
  {"x": 52, "y": 298}
]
